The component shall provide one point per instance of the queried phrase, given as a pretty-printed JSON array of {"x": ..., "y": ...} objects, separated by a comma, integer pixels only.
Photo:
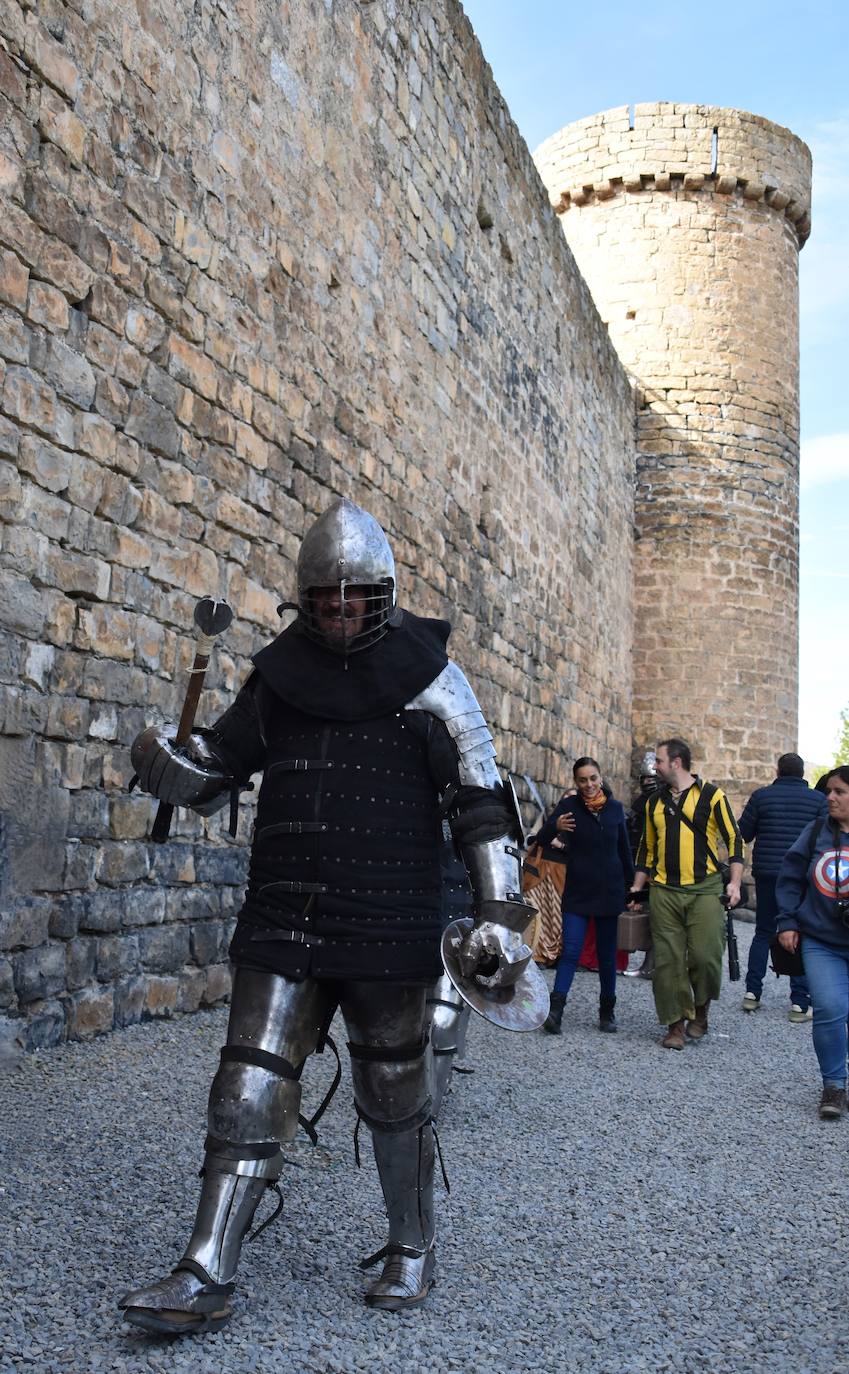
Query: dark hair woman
[
  {"x": 812, "y": 893},
  {"x": 599, "y": 871}
]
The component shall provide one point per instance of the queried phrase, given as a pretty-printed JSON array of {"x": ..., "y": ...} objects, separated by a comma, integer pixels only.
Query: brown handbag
[{"x": 633, "y": 931}]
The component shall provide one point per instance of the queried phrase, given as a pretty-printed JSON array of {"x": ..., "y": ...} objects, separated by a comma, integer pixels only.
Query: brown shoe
[
  {"x": 832, "y": 1102},
  {"x": 699, "y": 1024},
  {"x": 674, "y": 1037}
]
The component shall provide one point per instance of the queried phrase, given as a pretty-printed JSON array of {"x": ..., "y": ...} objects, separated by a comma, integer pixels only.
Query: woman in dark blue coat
[{"x": 599, "y": 872}]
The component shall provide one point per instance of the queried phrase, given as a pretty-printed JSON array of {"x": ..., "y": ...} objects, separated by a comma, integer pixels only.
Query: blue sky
[{"x": 557, "y": 62}]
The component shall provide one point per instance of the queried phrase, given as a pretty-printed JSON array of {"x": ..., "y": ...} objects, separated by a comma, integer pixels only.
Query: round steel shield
[{"x": 521, "y": 1007}]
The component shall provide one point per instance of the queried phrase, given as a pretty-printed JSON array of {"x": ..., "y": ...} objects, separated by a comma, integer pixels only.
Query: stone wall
[
  {"x": 687, "y": 223},
  {"x": 250, "y": 256}
]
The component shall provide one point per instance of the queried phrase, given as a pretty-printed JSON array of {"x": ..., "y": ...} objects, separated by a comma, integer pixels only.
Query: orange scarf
[{"x": 595, "y": 803}]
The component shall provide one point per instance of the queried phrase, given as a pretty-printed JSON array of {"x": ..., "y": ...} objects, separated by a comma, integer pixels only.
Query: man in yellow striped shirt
[{"x": 684, "y": 822}]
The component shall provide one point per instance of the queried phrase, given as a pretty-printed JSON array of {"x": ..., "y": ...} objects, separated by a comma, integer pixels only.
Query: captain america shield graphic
[{"x": 825, "y": 875}]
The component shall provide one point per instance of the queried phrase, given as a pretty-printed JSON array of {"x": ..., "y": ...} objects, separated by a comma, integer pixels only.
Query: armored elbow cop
[{"x": 191, "y": 774}]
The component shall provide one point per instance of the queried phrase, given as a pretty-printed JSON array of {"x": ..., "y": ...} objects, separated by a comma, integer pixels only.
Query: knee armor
[
  {"x": 390, "y": 1085},
  {"x": 253, "y": 1106}
]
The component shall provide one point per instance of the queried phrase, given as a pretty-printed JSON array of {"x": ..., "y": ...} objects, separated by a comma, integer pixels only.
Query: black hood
[{"x": 373, "y": 682}]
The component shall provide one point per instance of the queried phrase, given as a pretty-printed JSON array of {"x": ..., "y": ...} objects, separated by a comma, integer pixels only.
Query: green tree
[{"x": 841, "y": 754}]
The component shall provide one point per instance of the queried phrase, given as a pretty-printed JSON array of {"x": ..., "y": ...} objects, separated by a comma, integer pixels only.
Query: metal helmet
[{"x": 346, "y": 549}]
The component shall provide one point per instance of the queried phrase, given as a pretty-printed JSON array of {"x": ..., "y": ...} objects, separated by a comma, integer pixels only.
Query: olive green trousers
[{"x": 688, "y": 933}]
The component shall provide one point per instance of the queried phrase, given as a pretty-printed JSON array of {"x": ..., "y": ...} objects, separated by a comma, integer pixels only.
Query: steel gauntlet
[{"x": 190, "y": 774}]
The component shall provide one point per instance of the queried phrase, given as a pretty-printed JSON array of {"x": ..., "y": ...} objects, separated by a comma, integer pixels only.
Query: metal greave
[
  {"x": 224, "y": 1216},
  {"x": 405, "y": 1162}
]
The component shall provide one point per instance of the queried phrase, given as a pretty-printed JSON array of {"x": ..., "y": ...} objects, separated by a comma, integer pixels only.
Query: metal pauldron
[{"x": 186, "y": 775}]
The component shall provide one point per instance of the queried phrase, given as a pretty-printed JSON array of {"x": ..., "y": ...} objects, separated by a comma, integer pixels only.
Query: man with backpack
[{"x": 774, "y": 817}]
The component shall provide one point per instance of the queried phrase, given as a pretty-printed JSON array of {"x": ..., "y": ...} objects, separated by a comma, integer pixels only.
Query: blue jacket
[
  {"x": 805, "y": 890},
  {"x": 774, "y": 817},
  {"x": 599, "y": 864}
]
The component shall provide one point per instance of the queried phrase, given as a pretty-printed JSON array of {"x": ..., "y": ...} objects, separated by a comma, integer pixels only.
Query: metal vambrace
[
  {"x": 186, "y": 775},
  {"x": 486, "y": 824}
]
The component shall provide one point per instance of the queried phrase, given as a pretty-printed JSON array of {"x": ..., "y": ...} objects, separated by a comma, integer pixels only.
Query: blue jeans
[
  {"x": 574, "y": 934},
  {"x": 766, "y": 919},
  {"x": 828, "y": 978}
]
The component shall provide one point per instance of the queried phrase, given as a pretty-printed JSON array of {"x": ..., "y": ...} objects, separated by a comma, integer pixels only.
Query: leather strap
[{"x": 262, "y": 1059}]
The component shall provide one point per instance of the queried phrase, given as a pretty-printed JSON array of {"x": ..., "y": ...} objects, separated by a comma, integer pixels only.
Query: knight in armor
[{"x": 367, "y": 737}]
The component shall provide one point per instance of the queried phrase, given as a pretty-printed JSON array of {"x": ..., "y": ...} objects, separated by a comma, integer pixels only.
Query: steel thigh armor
[{"x": 448, "y": 1025}]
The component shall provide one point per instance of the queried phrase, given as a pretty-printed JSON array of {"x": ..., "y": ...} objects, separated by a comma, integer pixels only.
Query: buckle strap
[
  {"x": 300, "y": 765},
  {"x": 309, "y": 1123},
  {"x": 286, "y": 886},
  {"x": 264, "y": 935},
  {"x": 262, "y": 1059},
  {"x": 257, "y": 1149},
  {"x": 391, "y": 1054},
  {"x": 392, "y": 1249},
  {"x": 293, "y": 828}
]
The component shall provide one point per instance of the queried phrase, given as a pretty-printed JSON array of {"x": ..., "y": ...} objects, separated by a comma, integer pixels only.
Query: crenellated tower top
[{"x": 663, "y": 146}]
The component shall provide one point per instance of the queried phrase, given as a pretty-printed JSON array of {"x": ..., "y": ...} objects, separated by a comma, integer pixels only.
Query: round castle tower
[{"x": 686, "y": 222}]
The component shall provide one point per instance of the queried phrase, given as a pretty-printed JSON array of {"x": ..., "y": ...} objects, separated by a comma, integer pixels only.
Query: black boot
[
  {"x": 555, "y": 1013},
  {"x": 606, "y": 1018}
]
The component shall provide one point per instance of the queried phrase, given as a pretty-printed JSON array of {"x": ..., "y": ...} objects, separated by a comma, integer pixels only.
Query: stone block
[
  {"x": 218, "y": 982},
  {"x": 61, "y": 126},
  {"x": 206, "y": 942},
  {"x": 129, "y": 818},
  {"x": 80, "y": 959},
  {"x": 47, "y": 306},
  {"x": 24, "y": 605},
  {"x": 108, "y": 304},
  {"x": 68, "y": 718},
  {"x": 7, "y": 993},
  {"x": 105, "y": 630},
  {"x": 88, "y": 815},
  {"x": 14, "y": 339},
  {"x": 66, "y": 915},
  {"x": 14, "y": 280},
  {"x": 162, "y": 949},
  {"x": 145, "y": 329},
  {"x": 191, "y": 367},
  {"x": 89, "y": 1013},
  {"x": 70, "y": 373},
  {"x": 129, "y": 997},
  {"x": 161, "y": 996},
  {"x": 45, "y": 1025},
  {"x": 80, "y": 865},
  {"x": 25, "y": 923},
  {"x": 221, "y": 864},
  {"x": 153, "y": 426},
  {"x": 142, "y": 906},
  {"x": 102, "y": 911},
  {"x": 117, "y": 957},
  {"x": 192, "y": 989},
  {"x": 60, "y": 265},
  {"x": 28, "y": 399},
  {"x": 39, "y": 973},
  {"x": 122, "y": 863},
  {"x": 47, "y": 465},
  {"x": 50, "y": 59}
]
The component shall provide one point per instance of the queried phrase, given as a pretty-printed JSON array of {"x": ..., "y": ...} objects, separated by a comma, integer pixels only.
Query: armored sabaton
[{"x": 276, "y": 1022}]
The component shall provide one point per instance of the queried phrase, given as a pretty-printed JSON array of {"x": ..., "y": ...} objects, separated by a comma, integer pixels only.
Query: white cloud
[{"x": 824, "y": 459}]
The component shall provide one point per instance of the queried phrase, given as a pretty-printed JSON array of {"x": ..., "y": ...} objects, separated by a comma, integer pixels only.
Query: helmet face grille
[{"x": 352, "y": 617}]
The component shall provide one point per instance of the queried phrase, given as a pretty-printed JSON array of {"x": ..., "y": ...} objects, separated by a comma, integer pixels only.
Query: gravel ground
[{"x": 615, "y": 1207}]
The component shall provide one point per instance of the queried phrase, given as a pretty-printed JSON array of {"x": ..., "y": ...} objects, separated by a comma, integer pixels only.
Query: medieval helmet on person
[{"x": 346, "y": 579}]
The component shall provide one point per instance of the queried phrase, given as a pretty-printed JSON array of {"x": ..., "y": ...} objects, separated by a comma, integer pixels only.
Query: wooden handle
[{"x": 165, "y": 811}]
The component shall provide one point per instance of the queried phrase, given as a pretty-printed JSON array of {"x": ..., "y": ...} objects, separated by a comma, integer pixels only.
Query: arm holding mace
[{"x": 182, "y": 766}]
